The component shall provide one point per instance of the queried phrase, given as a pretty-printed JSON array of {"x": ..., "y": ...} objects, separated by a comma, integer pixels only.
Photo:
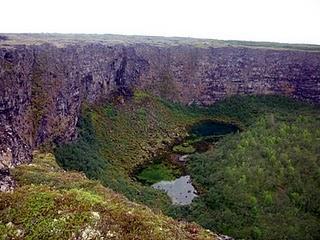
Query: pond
[
  {"x": 168, "y": 173},
  {"x": 212, "y": 128},
  {"x": 181, "y": 191}
]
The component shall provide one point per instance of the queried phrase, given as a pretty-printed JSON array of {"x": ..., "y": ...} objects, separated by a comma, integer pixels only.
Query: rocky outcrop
[
  {"x": 42, "y": 86},
  {"x": 203, "y": 76}
]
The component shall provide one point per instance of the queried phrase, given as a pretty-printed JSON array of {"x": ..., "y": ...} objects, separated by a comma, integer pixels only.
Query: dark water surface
[
  {"x": 212, "y": 128},
  {"x": 180, "y": 189}
]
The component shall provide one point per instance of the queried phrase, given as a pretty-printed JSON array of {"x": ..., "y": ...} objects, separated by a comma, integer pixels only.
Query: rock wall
[
  {"x": 43, "y": 86},
  {"x": 204, "y": 76}
]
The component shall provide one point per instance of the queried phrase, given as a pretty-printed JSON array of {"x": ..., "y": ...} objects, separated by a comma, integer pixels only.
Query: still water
[{"x": 180, "y": 190}]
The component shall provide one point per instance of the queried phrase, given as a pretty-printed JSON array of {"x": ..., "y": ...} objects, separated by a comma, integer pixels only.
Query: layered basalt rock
[
  {"x": 42, "y": 86},
  {"x": 204, "y": 76}
]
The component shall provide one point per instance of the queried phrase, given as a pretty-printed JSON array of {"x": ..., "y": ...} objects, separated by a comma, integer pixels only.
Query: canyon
[
  {"x": 46, "y": 79},
  {"x": 89, "y": 123}
]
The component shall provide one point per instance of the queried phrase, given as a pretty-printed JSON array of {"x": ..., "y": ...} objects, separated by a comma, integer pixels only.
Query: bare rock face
[
  {"x": 204, "y": 75},
  {"x": 7, "y": 184},
  {"x": 42, "y": 86}
]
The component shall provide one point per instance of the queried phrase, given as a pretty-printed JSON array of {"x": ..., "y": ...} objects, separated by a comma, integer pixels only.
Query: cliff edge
[{"x": 45, "y": 78}]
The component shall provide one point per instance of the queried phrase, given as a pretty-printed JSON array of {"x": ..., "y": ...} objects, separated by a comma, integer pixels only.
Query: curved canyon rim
[{"x": 229, "y": 130}]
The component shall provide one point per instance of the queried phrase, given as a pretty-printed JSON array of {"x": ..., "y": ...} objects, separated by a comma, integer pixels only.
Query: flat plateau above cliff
[{"x": 11, "y": 39}]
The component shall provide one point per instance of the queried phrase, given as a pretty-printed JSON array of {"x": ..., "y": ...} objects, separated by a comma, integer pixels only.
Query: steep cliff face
[
  {"x": 42, "y": 86},
  {"x": 205, "y": 75}
]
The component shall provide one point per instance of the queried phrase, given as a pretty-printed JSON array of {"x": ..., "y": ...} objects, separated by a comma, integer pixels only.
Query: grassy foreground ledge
[
  {"x": 260, "y": 183},
  {"x": 50, "y": 203}
]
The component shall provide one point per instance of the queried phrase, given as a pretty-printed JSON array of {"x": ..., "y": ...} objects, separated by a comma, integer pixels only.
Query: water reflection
[
  {"x": 203, "y": 136},
  {"x": 181, "y": 190}
]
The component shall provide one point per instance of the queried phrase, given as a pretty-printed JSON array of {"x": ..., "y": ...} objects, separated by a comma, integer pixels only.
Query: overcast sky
[{"x": 295, "y": 21}]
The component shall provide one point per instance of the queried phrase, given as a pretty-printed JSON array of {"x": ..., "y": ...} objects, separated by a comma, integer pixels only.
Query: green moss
[
  {"x": 254, "y": 180},
  {"x": 115, "y": 139},
  {"x": 85, "y": 196},
  {"x": 251, "y": 180},
  {"x": 77, "y": 207},
  {"x": 110, "y": 111},
  {"x": 140, "y": 95},
  {"x": 156, "y": 173},
  {"x": 184, "y": 149},
  {"x": 34, "y": 211}
]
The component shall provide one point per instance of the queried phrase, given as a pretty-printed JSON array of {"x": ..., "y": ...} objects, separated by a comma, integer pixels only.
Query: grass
[
  {"x": 62, "y": 40},
  {"x": 51, "y": 203},
  {"x": 114, "y": 140},
  {"x": 155, "y": 173},
  {"x": 184, "y": 149},
  {"x": 261, "y": 183}
]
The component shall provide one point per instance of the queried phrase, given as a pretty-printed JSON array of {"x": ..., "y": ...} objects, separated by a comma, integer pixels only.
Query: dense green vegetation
[
  {"x": 157, "y": 172},
  {"x": 50, "y": 203},
  {"x": 260, "y": 183},
  {"x": 184, "y": 148},
  {"x": 116, "y": 139},
  {"x": 246, "y": 110},
  {"x": 263, "y": 183}
]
